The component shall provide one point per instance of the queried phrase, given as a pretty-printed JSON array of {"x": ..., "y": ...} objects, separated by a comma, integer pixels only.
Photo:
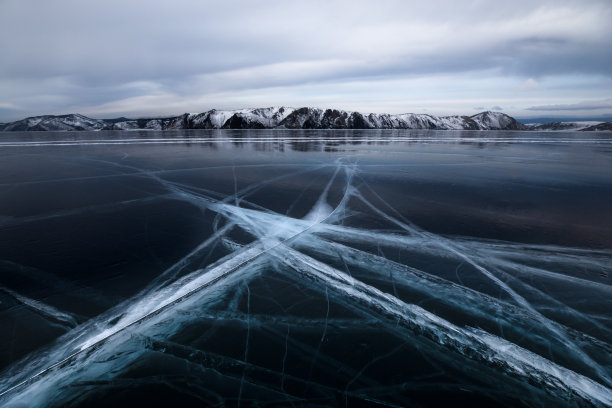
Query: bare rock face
[{"x": 237, "y": 121}]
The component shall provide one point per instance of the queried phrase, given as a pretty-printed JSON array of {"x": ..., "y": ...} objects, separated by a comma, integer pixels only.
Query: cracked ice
[{"x": 481, "y": 314}]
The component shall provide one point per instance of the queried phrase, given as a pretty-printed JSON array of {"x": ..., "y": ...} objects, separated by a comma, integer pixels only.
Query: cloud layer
[{"x": 143, "y": 58}]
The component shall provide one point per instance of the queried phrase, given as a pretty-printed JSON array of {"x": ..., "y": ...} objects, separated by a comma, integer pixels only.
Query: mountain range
[{"x": 284, "y": 118}]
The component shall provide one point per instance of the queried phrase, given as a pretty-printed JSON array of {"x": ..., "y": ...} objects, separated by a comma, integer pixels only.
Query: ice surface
[{"x": 497, "y": 318}]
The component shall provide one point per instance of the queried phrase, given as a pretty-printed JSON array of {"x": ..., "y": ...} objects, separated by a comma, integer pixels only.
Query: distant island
[{"x": 291, "y": 118}]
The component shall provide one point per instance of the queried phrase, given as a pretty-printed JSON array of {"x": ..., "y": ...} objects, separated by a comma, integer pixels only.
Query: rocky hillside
[
  {"x": 50, "y": 122},
  {"x": 599, "y": 127},
  {"x": 275, "y": 117}
]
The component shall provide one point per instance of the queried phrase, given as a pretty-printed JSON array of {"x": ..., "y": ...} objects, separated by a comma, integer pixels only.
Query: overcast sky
[{"x": 148, "y": 58}]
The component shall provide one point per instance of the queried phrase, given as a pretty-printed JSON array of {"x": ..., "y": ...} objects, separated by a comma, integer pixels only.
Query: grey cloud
[
  {"x": 88, "y": 53},
  {"x": 581, "y": 106}
]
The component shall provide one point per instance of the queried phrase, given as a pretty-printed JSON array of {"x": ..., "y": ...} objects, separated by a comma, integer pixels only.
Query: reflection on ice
[{"x": 490, "y": 312}]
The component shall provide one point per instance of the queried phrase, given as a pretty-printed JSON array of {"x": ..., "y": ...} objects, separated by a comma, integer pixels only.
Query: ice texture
[{"x": 505, "y": 333}]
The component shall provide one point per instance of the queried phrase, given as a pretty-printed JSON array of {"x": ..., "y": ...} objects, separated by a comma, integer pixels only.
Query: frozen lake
[{"x": 306, "y": 268}]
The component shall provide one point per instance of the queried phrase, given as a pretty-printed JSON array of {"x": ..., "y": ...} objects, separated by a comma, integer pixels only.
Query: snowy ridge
[
  {"x": 292, "y": 118},
  {"x": 243, "y": 118},
  {"x": 49, "y": 122},
  {"x": 599, "y": 127},
  {"x": 273, "y": 117}
]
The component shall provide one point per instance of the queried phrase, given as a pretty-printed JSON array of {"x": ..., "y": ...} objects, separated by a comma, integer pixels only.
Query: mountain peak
[{"x": 497, "y": 121}]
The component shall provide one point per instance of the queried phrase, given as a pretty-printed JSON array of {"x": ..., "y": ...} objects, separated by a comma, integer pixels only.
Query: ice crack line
[
  {"x": 276, "y": 235},
  {"x": 186, "y": 289}
]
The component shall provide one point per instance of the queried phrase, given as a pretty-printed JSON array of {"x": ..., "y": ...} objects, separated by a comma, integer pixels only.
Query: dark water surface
[{"x": 306, "y": 268}]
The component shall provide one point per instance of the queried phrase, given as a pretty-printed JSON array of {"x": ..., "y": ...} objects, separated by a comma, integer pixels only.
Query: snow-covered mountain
[
  {"x": 336, "y": 119},
  {"x": 274, "y": 117},
  {"x": 49, "y": 122}
]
